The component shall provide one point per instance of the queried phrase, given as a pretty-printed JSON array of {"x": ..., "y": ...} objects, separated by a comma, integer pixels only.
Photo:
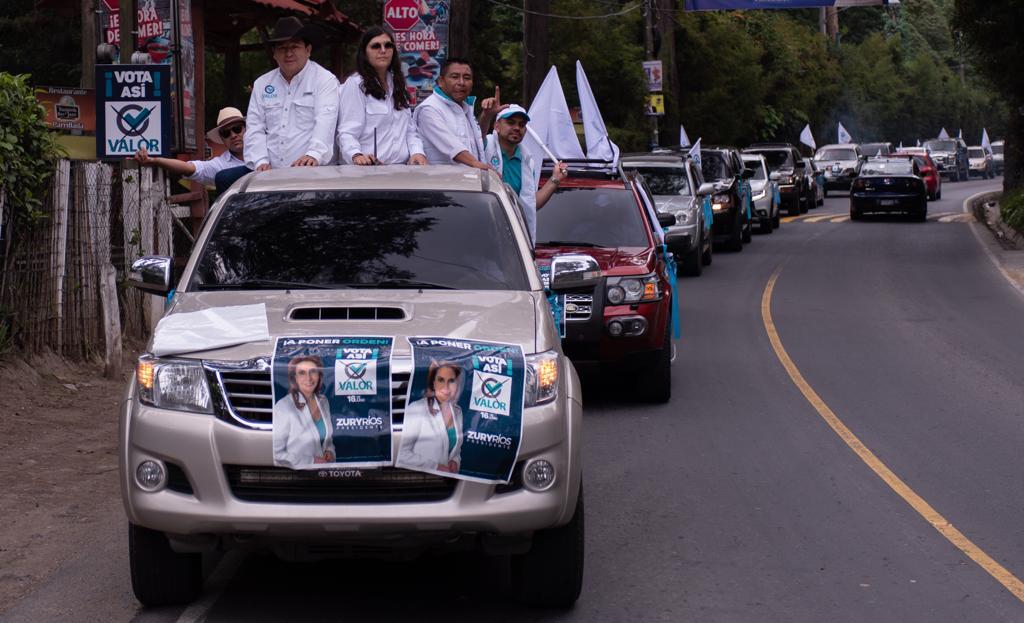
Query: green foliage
[
  {"x": 44, "y": 42},
  {"x": 1011, "y": 207},
  {"x": 28, "y": 149}
]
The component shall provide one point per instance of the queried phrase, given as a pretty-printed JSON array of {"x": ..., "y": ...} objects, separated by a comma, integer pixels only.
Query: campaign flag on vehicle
[
  {"x": 464, "y": 410},
  {"x": 807, "y": 138},
  {"x": 550, "y": 120},
  {"x": 684, "y": 140},
  {"x": 332, "y": 401},
  {"x": 918, "y": 142},
  {"x": 943, "y": 134},
  {"x": 695, "y": 153},
  {"x": 960, "y": 133},
  {"x": 599, "y": 144},
  {"x": 844, "y": 136},
  {"x": 901, "y": 145},
  {"x": 985, "y": 143}
]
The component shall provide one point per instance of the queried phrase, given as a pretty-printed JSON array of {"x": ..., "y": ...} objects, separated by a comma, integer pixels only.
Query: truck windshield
[
  {"x": 603, "y": 217},
  {"x": 836, "y": 154},
  {"x": 776, "y": 158},
  {"x": 664, "y": 180},
  {"x": 368, "y": 239},
  {"x": 940, "y": 145}
]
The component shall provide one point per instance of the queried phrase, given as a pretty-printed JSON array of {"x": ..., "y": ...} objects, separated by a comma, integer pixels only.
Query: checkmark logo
[
  {"x": 133, "y": 119},
  {"x": 355, "y": 371},
  {"x": 492, "y": 387}
]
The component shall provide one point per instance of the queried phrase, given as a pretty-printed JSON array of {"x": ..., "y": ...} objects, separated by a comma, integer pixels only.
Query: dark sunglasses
[
  {"x": 387, "y": 45},
  {"x": 235, "y": 129}
]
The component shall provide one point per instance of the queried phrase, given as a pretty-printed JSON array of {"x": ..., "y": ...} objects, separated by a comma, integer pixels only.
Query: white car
[{"x": 764, "y": 195}]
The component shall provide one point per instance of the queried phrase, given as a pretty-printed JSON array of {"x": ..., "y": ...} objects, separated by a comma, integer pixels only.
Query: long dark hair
[
  {"x": 293, "y": 385},
  {"x": 432, "y": 370},
  {"x": 371, "y": 83}
]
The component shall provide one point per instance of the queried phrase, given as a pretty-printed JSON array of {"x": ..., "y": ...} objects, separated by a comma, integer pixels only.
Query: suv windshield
[
  {"x": 603, "y": 217},
  {"x": 836, "y": 154},
  {"x": 381, "y": 238},
  {"x": 871, "y": 149},
  {"x": 997, "y": 149},
  {"x": 755, "y": 166},
  {"x": 976, "y": 152},
  {"x": 776, "y": 158},
  {"x": 940, "y": 145},
  {"x": 664, "y": 180},
  {"x": 714, "y": 166}
]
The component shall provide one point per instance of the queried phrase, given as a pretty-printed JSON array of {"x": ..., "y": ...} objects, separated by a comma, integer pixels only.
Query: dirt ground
[{"x": 58, "y": 464}]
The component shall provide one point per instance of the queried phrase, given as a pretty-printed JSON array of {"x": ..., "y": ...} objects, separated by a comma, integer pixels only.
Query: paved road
[{"x": 738, "y": 501}]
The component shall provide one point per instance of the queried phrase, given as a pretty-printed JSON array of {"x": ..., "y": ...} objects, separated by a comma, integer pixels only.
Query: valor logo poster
[
  {"x": 134, "y": 105},
  {"x": 464, "y": 411},
  {"x": 332, "y": 401}
]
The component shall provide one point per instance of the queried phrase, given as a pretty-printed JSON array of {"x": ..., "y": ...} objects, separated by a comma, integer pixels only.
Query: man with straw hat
[
  {"x": 293, "y": 111},
  {"x": 230, "y": 132}
]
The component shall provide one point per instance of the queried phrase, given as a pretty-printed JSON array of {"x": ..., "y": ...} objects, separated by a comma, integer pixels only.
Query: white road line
[
  {"x": 818, "y": 219},
  {"x": 215, "y": 586},
  {"x": 975, "y": 227}
]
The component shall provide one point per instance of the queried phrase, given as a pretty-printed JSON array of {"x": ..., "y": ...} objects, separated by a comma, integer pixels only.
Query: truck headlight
[
  {"x": 633, "y": 289},
  {"x": 178, "y": 384},
  {"x": 541, "y": 378},
  {"x": 759, "y": 196}
]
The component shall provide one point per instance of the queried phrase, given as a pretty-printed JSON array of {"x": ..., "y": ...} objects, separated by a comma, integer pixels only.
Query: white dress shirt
[
  {"x": 448, "y": 128},
  {"x": 289, "y": 120},
  {"x": 207, "y": 170},
  {"x": 360, "y": 115}
]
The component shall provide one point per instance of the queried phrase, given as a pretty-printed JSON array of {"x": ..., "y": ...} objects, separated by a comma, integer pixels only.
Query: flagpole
[{"x": 536, "y": 137}]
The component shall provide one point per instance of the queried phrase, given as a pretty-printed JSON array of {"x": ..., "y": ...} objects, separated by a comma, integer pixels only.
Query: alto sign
[{"x": 401, "y": 15}]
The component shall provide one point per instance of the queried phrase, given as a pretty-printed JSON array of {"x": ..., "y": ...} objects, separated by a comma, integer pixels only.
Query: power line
[{"x": 580, "y": 17}]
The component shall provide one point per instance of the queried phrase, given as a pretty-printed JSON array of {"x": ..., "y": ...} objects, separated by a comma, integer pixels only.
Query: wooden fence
[{"x": 63, "y": 287}]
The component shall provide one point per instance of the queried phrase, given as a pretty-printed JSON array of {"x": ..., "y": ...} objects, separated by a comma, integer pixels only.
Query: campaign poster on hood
[
  {"x": 464, "y": 411},
  {"x": 332, "y": 401}
]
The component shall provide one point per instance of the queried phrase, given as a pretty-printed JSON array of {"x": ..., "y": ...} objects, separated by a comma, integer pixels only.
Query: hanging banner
[
  {"x": 420, "y": 30},
  {"x": 464, "y": 411},
  {"x": 332, "y": 401},
  {"x": 654, "y": 105},
  {"x": 133, "y": 109}
]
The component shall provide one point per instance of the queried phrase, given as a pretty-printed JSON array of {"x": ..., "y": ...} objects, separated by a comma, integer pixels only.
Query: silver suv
[{"x": 352, "y": 251}]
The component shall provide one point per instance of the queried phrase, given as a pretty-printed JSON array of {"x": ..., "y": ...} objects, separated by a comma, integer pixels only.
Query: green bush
[
  {"x": 1011, "y": 207},
  {"x": 28, "y": 150}
]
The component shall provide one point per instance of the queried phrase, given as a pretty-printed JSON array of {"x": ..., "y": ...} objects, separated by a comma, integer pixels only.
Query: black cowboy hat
[{"x": 288, "y": 28}]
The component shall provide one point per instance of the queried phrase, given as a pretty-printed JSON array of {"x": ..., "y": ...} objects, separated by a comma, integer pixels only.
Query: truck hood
[
  {"x": 489, "y": 315},
  {"x": 616, "y": 261}
]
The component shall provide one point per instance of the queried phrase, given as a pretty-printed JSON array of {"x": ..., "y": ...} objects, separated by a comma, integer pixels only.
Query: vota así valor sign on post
[{"x": 133, "y": 109}]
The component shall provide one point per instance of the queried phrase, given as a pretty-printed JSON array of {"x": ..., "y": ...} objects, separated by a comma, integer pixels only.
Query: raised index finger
[{"x": 497, "y": 93}]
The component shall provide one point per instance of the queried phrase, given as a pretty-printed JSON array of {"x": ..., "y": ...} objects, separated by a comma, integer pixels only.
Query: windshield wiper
[
  {"x": 404, "y": 283},
  {"x": 567, "y": 243},
  {"x": 268, "y": 284}
]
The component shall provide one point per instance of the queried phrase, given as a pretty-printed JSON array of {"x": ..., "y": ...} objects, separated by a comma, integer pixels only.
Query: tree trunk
[
  {"x": 536, "y": 47},
  {"x": 458, "y": 29},
  {"x": 1013, "y": 150}
]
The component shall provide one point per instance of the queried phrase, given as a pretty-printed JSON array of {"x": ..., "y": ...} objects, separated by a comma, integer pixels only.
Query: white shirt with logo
[
  {"x": 289, "y": 120},
  {"x": 360, "y": 116},
  {"x": 448, "y": 128}
]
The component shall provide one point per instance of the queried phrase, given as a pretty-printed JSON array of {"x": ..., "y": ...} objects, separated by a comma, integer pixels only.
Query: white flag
[
  {"x": 599, "y": 144},
  {"x": 901, "y": 145},
  {"x": 844, "y": 136},
  {"x": 684, "y": 140},
  {"x": 960, "y": 133},
  {"x": 943, "y": 134},
  {"x": 918, "y": 142},
  {"x": 985, "y": 142},
  {"x": 807, "y": 138},
  {"x": 695, "y": 153},
  {"x": 550, "y": 120}
]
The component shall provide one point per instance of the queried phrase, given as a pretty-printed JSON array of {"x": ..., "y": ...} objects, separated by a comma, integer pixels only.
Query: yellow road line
[
  {"x": 817, "y": 219},
  {"x": 790, "y": 219},
  {"x": 932, "y": 516},
  {"x": 958, "y": 218},
  {"x": 938, "y": 215},
  {"x": 841, "y": 219}
]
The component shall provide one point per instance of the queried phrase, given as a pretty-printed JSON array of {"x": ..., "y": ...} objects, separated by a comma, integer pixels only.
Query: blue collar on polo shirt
[{"x": 471, "y": 99}]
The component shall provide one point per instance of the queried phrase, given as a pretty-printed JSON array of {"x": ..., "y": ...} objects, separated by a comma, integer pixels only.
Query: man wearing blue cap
[{"x": 516, "y": 167}]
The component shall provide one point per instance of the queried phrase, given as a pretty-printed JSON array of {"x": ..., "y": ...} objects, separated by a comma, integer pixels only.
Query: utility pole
[
  {"x": 127, "y": 29},
  {"x": 648, "y": 9},
  {"x": 89, "y": 39},
  {"x": 832, "y": 24},
  {"x": 535, "y": 46}
]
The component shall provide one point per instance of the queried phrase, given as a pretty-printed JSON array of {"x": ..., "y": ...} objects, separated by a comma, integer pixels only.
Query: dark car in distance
[
  {"x": 730, "y": 204},
  {"x": 950, "y": 157},
  {"x": 786, "y": 166},
  {"x": 626, "y": 318},
  {"x": 889, "y": 185}
]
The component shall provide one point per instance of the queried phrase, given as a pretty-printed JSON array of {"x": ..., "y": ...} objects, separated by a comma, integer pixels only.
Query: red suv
[
  {"x": 929, "y": 172},
  {"x": 626, "y": 318}
]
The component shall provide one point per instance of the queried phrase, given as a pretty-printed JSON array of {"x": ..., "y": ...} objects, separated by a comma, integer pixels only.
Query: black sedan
[{"x": 888, "y": 185}]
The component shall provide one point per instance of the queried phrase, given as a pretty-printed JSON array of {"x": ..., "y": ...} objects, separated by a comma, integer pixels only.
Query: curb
[{"x": 1000, "y": 241}]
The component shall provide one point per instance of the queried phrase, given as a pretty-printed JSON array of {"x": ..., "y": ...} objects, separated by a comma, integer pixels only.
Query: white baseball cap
[{"x": 513, "y": 109}]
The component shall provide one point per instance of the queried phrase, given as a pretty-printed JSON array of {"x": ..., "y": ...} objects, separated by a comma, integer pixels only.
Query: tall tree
[{"x": 992, "y": 28}]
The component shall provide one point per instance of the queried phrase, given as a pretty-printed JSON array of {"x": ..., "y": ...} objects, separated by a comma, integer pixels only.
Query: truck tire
[
  {"x": 550, "y": 575},
  {"x": 655, "y": 378},
  {"x": 160, "y": 575}
]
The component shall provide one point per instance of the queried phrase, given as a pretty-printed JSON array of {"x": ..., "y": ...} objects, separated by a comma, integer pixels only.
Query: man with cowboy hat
[
  {"x": 293, "y": 111},
  {"x": 229, "y": 132}
]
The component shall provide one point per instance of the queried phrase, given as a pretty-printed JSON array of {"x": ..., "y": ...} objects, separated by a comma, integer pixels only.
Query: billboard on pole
[{"x": 420, "y": 30}]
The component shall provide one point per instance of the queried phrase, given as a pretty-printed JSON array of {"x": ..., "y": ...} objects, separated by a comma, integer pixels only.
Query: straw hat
[{"x": 225, "y": 117}]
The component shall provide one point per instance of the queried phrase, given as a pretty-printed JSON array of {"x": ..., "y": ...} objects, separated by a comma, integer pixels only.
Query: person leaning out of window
[{"x": 374, "y": 117}]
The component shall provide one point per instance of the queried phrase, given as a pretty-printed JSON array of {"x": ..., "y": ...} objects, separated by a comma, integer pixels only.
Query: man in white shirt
[
  {"x": 230, "y": 132},
  {"x": 445, "y": 119},
  {"x": 293, "y": 111}
]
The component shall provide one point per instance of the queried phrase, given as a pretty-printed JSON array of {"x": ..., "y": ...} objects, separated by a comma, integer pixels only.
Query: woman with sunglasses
[
  {"x": 374, "y": 117},
  {"x": 229, "y": 132}
]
